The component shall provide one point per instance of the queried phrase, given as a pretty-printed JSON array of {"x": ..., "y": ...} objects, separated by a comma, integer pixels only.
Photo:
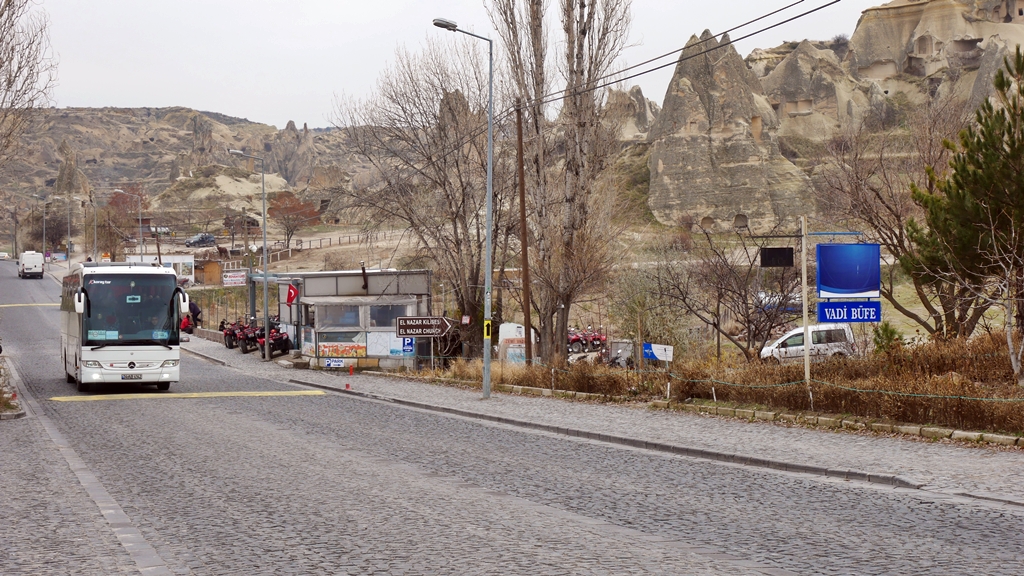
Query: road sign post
[{"x": 423, "y": 326}]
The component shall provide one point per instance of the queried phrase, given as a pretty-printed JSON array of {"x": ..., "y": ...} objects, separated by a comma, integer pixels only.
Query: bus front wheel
[{"x": 82, "y": 386}]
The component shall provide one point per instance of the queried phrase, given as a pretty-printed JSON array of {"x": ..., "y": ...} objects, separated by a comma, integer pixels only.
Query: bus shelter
[{"x": 343, "y": 318}]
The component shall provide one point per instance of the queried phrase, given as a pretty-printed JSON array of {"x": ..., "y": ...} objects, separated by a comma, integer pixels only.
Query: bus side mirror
[
  {"x": 79, "y": 303},
  {"x": 183, "y": 300}
]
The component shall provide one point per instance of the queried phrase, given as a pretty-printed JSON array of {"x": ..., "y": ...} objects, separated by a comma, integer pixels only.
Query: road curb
[
  {"x": 871, "y": 477},
  {"x": 20, "y": 412},
  {"x": 204, "y": 356},
  {"x": 829, "y": 421}
]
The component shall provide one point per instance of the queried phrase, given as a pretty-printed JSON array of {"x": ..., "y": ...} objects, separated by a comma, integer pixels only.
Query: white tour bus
[{"x": 119, "y": 323}]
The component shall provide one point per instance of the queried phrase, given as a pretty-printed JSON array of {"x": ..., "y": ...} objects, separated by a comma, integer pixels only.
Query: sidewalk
[{"x": 948, "y": 467}]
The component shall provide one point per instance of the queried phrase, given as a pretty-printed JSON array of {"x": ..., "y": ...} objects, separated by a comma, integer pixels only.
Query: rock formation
[
  {"x": 907, "y": 39},
  {"x": 634, "y": 113},
  {"x": 714, "y": 158},
  {"x": 812, "y": 94},
  {"x": 288, "y": 152},
  {"x": 156, "y": 146},
  {"x": 715, "y": 147}
]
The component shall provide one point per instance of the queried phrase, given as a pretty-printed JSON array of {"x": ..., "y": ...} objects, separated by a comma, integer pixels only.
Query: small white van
[
  {"x": 30, "y": 265},
  {"x": 827, "y": 341}
]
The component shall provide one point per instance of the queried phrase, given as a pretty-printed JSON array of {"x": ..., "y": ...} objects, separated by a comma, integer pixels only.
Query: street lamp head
[
  {"x": 446, "y": 24},
  {"x": 236, "y": 152}
]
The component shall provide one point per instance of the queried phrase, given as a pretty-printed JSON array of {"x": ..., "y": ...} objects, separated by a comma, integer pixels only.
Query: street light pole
[
  {"x": 488, "y": 265},
  {"x": 43, "y": 201},
  {"x": 95, "y": 242},
  {"x": 68, "y": 243},
  {"x": 266, "y": 261},
  {"x": 139, "y": 199}
]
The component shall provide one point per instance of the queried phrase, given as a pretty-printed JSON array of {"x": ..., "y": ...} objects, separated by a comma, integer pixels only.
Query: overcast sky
[{"x": 277, "y": 60}]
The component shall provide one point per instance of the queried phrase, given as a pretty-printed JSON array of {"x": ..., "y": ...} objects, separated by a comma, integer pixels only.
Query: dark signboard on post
[
  {"x": 776, "y": 257},
  {"x": 849, "y": 271},
  {"x": 422, "y": 326}
]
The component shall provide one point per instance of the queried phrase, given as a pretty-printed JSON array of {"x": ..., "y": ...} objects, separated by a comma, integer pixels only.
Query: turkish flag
[{"x": 293, "y": 293}]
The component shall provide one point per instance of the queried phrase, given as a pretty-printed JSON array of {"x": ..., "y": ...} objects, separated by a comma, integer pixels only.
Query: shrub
[{"x": 886, "y": 338}]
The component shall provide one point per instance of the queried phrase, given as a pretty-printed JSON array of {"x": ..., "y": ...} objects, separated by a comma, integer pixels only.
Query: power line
[
  {"x": 684, "y": 59},
  {"x": 677, "y": 50},
  {"x": 563, "y": 94}
]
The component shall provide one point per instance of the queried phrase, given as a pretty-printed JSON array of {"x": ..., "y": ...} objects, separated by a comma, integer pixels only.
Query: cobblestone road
[
  {"x": 336, "y": 484},
  {"x": 943, "y": 466}
]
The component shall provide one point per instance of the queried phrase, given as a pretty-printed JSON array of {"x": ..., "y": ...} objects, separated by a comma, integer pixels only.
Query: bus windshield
[{"x": 127, "y": 309}]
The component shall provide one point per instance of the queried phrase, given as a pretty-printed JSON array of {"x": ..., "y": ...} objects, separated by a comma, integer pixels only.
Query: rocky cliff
[
  {"x": 158, "y": 146},
  {"x": 716, "y": 145},
  {"x": 714, "y": 156}
]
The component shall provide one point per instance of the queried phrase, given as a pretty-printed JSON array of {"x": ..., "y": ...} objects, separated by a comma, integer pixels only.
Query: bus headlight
[
  {"x": 91, "y": 364},
  {"x": 169, "y": 364}
]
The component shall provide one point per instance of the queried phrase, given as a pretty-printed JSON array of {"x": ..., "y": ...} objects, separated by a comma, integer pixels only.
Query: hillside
[{"x": 154, "y": 146}]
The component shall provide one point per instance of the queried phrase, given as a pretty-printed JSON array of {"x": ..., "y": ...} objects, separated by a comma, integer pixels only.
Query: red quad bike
[
  {"x": 228, "y": 330},
  {"x": 253, "y": 333},
  {"x": 279, "y": 342},
  {"x": 596, "y": 340},
  {"x": 245, "y": 336},
  {"x": 577, "y": 343}
]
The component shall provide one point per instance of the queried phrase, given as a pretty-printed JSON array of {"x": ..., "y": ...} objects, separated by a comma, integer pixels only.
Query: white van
[
  {"x": 30, "y": 265},
  {"x": 827, "y": 341}
]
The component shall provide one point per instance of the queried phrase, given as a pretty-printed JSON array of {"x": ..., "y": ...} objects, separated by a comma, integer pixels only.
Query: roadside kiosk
[{"x": 344, "y": 318}]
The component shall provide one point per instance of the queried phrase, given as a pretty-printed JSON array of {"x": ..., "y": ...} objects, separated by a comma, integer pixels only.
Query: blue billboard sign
[
  {"x": 657, "y": 352},
  {"x": 862, "y": 311},
  {"x": 849, "y": 271}
]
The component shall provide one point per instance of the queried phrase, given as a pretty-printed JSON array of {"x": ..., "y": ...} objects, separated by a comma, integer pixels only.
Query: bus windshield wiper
[
  {"x": 157, "y": 342},
  {"x": 133, "y": 343}
]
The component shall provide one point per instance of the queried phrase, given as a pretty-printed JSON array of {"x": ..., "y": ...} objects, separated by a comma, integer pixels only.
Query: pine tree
[{"x": 973, "y": 235}]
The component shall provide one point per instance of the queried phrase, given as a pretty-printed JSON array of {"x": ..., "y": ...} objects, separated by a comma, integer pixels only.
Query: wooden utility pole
[{"x": 524, "y": 273}]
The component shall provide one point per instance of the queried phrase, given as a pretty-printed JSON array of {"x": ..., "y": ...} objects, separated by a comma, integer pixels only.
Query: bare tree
[
  {"x": 572, "y": 244},
  {"x": 867, "y": 177},
  {"x": 28, "y": 70},
  {"x": 292, "y": 214},
  {"x": 722, "y": 280},
  {"x": 424, "y": 134}
]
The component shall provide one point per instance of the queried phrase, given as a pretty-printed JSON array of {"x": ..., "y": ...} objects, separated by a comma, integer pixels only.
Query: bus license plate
[{"x": 131, "y": 376}]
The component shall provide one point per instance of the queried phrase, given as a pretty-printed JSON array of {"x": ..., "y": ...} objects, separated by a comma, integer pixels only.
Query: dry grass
[
  {"x": 5, "y": 396},
  {"x": 957, "y": 384},
  {"x": 939, "y": 383}
]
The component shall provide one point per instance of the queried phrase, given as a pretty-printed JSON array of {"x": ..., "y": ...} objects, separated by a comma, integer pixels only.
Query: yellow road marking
[
  {"x": 35, "y": 304},
  {"x": 156, "y": 396}
]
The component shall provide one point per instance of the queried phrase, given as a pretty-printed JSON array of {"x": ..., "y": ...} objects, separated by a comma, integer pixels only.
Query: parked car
[
  {"x": 787, "y": 303},
  {"x": 827, "y": 341},
  {"x": 5, "y": 256},
  {"x": 200, "y": 240}
]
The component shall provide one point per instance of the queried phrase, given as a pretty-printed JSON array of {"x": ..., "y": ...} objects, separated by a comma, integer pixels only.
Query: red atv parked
[
  {"x": 228, "y": 330},
  {"x": 279, "y": 341},
  {"x": 577, "y": 343},
  {"x": 596, "y": 340},
  {"x": 246, "y": 335}
]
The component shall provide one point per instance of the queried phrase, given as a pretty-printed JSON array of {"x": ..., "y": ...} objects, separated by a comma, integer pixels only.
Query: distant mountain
[{"x": 155, "y": 146}]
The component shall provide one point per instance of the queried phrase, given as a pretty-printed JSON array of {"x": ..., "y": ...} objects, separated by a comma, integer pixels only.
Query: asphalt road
[{"x": 331, "y": 484}]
